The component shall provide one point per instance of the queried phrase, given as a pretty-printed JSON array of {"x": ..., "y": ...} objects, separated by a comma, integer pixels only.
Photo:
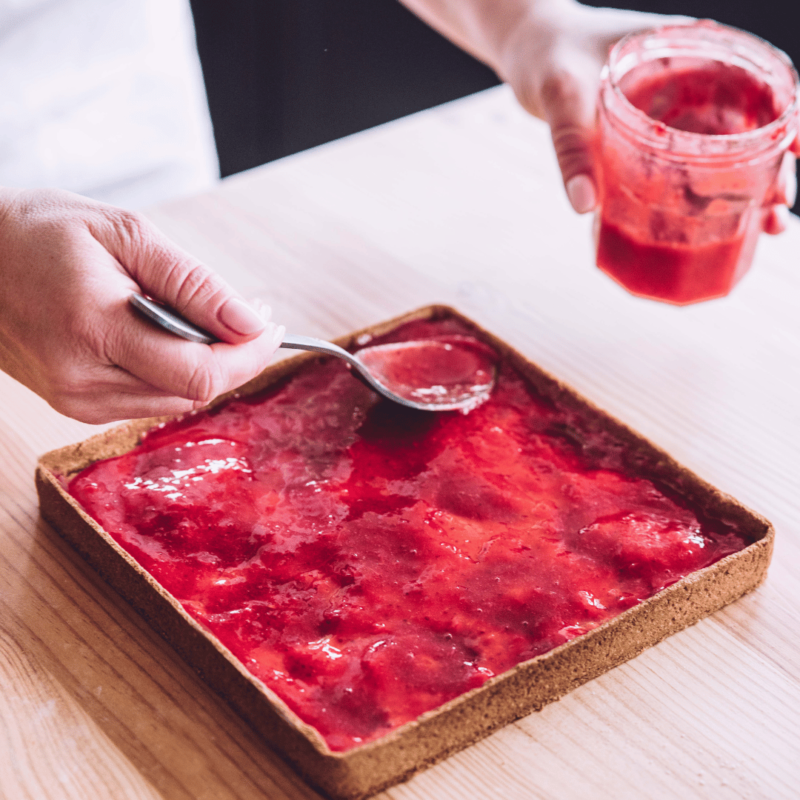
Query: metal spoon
[{"x": 170, "y": 321}]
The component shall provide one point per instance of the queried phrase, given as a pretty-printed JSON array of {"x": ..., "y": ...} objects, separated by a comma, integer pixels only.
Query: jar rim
[{"x": 715, "y": 145}]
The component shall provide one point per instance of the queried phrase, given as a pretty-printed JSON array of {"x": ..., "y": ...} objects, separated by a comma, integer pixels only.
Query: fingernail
[
  {"x": 240, "y": 317},
  {"x": 277, "y": 337},
  {"x": 581, "y": 193}
]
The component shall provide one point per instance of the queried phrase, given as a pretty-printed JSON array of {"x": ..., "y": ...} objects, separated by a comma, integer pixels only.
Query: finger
[
  {"x": 775, "y": 220},
  {"x": 789, "y": 177},
  {"x": 115, "y": 406},
  {"x": 784, "y": 190},
  {"x": 568, "y": 104},
  {"x": 98, "y": 393},
  {"x": 105, "y": 379},
  {"x": 776, "y": 215},
  {"x": 167, "y": 273},
  {"x": 185, "y": 369}
]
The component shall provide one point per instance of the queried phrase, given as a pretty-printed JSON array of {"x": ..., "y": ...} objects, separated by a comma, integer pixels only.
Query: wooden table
[{"x": 463, "y": 205}]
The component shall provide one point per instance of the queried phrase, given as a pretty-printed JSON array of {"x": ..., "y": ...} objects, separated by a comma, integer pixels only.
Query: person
[{"x": 69, "y": 262}]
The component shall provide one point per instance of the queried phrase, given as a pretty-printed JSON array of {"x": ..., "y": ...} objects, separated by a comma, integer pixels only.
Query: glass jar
[{"x": 694, "y": 122}]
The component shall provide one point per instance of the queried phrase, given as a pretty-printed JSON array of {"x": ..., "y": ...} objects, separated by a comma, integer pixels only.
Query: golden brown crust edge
[{"x": 529, "y": 686}]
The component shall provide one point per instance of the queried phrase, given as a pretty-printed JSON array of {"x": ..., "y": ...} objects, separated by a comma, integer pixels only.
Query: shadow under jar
[{"x": 695, "y": 121}]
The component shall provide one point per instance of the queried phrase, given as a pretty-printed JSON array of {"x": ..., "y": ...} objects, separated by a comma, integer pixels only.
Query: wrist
[{"x": 502, "y": 24}]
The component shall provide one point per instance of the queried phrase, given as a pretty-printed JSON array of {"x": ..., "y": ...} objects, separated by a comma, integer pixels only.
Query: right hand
[
  {"x": 551, "y": 53},
  {"x": 552, "y": 59},
  {"x": 67, "y": 331}
]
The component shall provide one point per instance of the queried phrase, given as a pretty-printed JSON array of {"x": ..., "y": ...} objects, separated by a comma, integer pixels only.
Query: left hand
[
  {"x": 553, "y": 59},
  {"x": 551, "y": 53}
]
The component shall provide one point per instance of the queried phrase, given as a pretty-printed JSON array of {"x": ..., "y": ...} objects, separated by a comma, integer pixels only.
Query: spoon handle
[
  {"x": 296, "y": 342},
  {"x": 173, "y": 323},
  {"x": 170, "y": 321}
]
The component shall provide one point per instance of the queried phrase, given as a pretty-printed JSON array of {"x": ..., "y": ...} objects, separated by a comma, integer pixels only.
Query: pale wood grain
[{"x": 461, "y": 205}]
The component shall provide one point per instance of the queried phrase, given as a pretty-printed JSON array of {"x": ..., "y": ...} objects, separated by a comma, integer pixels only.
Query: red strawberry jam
[{"x": 369, "y": 562}]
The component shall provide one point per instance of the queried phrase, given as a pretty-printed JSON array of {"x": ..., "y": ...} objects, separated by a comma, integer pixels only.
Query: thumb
[
  {"x": 168, "y": 274},
  {"x": 568, "y": 105}
]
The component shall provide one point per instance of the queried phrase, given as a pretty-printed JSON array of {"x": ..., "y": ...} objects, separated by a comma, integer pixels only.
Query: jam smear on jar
[
  {"x": 712, "y": 98},
  {"x": 369, "y": 562}
]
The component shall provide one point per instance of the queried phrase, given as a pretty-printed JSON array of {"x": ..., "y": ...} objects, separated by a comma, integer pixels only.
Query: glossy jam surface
[
  {"x": 681, "y": 231},
  {"x": 442, "y": 371},
  {"x": 369, "y": 562}
]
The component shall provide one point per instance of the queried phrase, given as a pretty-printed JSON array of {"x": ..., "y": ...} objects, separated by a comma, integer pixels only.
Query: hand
[
  {"x": 552, "y": 59},
  {"x": 67, "y": 331},
  {"x": 551, "y": 52}
]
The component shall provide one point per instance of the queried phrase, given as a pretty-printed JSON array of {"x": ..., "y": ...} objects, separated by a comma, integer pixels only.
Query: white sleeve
[{"x": 104, "y": 98}]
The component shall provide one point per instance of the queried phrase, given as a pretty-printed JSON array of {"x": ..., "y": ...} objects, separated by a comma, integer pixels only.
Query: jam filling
[
  {"x": 369, "y": 562},
  {"x": 673, "y": 272}
]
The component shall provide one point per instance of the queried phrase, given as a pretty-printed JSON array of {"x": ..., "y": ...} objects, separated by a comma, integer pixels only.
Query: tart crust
[{"x": 527, "y": 687}]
